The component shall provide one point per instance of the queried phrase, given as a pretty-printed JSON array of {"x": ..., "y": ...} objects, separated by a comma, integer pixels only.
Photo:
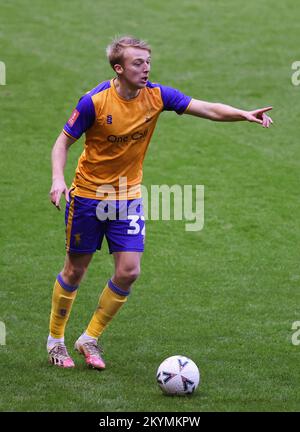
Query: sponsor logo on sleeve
[{"x": 73, "y": 117}]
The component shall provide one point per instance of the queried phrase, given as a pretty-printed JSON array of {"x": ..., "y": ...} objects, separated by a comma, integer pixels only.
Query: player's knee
[
  {"x": 128, "y": 274},
  {"x": 133, "y": 275},
  {"x": 73, "y": 275}
]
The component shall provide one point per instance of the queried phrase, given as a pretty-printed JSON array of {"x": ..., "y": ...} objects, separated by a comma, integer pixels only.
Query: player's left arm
[{"x": 227, "y": 113}]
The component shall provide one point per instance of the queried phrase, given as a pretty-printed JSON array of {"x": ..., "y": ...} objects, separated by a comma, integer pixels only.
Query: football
[{"x": 178, "y": 375}]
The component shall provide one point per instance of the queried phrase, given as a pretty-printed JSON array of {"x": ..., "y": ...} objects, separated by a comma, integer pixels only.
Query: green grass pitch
[{"x": 225, "y": 296}]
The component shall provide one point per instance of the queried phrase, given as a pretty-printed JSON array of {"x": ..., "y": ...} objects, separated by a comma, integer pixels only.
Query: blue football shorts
[{"x": 88, "y": 221}]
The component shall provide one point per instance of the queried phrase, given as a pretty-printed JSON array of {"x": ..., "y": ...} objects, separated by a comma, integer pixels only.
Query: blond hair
[{"x": 115, "y": 49}]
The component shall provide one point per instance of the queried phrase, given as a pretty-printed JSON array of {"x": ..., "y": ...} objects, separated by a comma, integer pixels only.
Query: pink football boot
[
  {"x": 92, "y": 353},
  {"x": 58, "y": 356}
]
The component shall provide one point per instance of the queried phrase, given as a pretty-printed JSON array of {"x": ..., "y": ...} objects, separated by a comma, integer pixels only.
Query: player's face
[{"x": 136, "y": 67}]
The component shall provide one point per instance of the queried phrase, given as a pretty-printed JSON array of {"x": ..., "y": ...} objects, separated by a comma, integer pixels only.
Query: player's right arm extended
[{"x": 59, "y": 159}]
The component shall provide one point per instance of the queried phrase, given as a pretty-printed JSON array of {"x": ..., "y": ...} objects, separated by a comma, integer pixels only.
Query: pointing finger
[{"x": 263, "y": 110}]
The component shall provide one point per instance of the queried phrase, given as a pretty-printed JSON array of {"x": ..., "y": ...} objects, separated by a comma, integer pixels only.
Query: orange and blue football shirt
[{"x": 117, "y": 135}]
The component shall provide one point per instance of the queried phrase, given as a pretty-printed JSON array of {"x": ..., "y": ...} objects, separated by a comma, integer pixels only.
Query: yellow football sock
[
  {"x": 62, "y": 301},
  {"x": 110, "y": 301}
]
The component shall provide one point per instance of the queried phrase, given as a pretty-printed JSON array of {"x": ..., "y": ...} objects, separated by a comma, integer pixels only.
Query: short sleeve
[
  {"x": 82, "y": 117},
  {"x": 174, "y": 100}
]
